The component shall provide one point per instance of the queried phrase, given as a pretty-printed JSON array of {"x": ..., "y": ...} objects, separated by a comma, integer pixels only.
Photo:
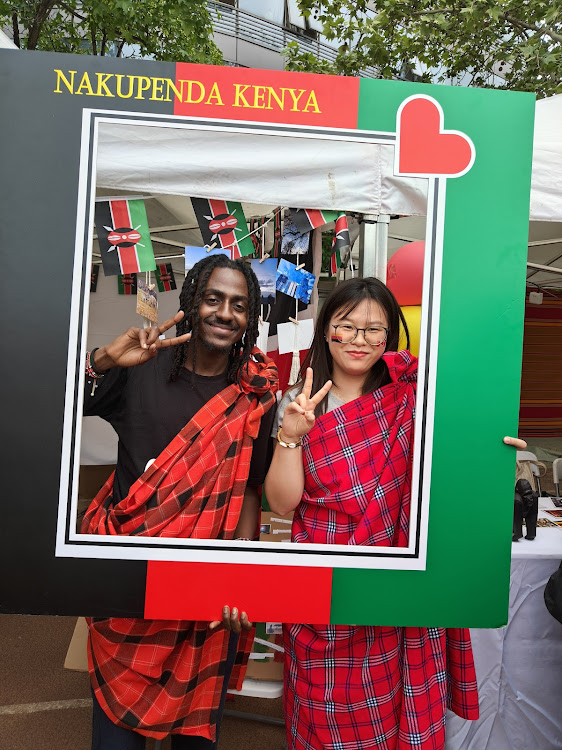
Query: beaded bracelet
[{"x": 91, "y": 371}]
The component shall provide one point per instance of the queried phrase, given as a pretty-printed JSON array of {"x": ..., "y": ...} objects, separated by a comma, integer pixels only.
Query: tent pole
[{"x": 373, "y": 240}]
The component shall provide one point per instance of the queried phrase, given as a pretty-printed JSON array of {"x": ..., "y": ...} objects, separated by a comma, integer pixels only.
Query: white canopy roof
[{"x": 272, "y": 169}]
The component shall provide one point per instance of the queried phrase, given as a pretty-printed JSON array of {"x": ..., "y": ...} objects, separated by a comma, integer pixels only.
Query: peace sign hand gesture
[
  {"x": 138, "y": 345},
  {"x": 299, "y": 416}
]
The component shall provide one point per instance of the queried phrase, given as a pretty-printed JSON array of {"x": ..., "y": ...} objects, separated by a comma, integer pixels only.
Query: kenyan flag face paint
[{"x": 124, "y": 237}]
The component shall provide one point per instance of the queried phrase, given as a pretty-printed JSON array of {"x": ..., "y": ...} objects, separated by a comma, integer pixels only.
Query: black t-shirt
[{"x": 147, "y": 412}]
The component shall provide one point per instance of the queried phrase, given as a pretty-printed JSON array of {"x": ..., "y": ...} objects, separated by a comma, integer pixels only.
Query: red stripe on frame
[
  {"x": 268, "y": 593},
  {"x": 266, "y": 96}
]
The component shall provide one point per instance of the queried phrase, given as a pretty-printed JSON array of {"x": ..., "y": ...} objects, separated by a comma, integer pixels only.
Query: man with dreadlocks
[{"x": 193, "y": 415}]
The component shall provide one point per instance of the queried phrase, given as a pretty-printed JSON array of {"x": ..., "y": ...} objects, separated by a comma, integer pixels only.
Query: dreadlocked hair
[{"x": 191, "y": 297}]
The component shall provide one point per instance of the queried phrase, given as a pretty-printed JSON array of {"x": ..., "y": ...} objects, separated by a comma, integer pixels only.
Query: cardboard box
[
  {"x": 273, "y": 528},
  {"x": 76, "y": 656},
  {"x": 266, "y": 663}
]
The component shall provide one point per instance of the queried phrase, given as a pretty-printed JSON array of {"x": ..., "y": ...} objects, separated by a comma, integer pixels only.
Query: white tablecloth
[{"x": 519, "y": 666}]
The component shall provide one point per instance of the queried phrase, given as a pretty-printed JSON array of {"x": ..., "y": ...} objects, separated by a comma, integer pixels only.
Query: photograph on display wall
[
  {"x": 296, "y": 282},
  {"x": 357, "y": 116},
  {"x": 266, "y": 271}
]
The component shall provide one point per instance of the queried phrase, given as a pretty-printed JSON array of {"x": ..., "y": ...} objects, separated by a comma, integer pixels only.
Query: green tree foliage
[
  {"x": 175, "y": 30},
  {"x": 467, "y": 41}
]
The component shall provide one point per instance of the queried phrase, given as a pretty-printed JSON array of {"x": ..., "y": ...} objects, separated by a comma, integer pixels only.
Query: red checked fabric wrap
[
  {"x": 347, "y": 687},
  {"x": 165, "y": 677}
]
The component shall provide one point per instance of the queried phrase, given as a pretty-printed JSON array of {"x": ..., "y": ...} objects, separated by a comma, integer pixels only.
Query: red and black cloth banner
[
  {"x": 223, "y": 223},
  {"x": 124, "y": 237},
  {"x": 257, "y": 229},
  {"x": 127, "y": 283},
  {"x": 277, "y": 234},
  {"x": 307, "y": 219},
  {"x": 165, "y": 277},
  {"x": 256, "y": 236},
  {"x": 94, "y": 277},
  {"x": 340, "y": 244}
]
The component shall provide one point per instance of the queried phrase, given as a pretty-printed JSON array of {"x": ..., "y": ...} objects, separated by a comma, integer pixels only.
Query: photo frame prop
[{"x": 455, "y": 570}]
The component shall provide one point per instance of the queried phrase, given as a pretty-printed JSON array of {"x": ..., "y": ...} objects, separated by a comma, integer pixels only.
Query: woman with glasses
[{"x": 343, "y": 463}]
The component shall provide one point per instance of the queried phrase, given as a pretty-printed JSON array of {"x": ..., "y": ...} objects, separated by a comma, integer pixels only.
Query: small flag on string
[
  {"x": 256, "y": 229},
  {"x": 307, "y": 219},
  {"x": 124, "y": 237},
  {"x": 127, "y": 283},
  {"x": 165, "y": 277},
  {"x": 340, "y": 243},
  {"x": 94, "y": 277},
  {"x": 224, "y": 224},
  {"x": 277, "y": 234}
]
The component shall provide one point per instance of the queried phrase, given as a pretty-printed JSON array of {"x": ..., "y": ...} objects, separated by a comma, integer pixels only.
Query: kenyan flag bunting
[
  {"x": 124, "y": 237},
  {"x": 165, "y": 277},
  {"x": 307, "y": 219},
  {"x": 340, "y": 244},
  {"x": 223, "y": 223},
  {"x": 127, "y": 283}
]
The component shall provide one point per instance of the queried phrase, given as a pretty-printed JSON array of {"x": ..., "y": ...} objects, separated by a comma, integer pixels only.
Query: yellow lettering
[
  {"x": 311, "y": 102},
  {"x": 215, "y": 94},
  {"x": 190, "y": 93},
  {"x": 120, "y": 94},
  {"x": 273, "y": 94},
  {"x": 295, "y": 107},
  {"x": 259, "y": 97},
  {"x": 157, "y": 86},
  {"x": 61, "y": 76},
  {"x": 240, "y": 89},
  {"x": 144, "y": 85},
  {"x": 102, "y": 78},
  {"x": 85, "y": 84},
  {"x": 178, "y": 93}
]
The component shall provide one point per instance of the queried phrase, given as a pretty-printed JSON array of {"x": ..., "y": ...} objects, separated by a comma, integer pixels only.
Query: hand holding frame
[
  {"x": 299, "y": 416},
  {"x": 230, "y": 620},
  {"x": 138, "y": 345}
]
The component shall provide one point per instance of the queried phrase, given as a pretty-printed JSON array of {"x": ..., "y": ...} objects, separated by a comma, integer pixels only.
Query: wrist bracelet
[
  {"x": 91, "y": 371},
  {"x": 243, "y": 539},
  {"x": 287, "y": 445}
]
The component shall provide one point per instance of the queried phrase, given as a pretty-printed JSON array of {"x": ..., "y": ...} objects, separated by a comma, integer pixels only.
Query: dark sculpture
[{"x": 526, "y": 507}]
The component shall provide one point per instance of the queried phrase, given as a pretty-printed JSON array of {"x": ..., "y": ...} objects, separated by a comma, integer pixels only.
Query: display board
[{"x": 474, "y": 148}]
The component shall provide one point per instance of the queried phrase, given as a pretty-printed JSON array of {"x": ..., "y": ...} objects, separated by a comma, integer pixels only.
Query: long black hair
[
  {"x": 345, "y": 298},
  {"x": 191, "y": 297}
]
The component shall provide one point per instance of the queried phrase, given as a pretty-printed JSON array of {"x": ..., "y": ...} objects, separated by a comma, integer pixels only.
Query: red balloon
[{"x": 404, "y": 273}]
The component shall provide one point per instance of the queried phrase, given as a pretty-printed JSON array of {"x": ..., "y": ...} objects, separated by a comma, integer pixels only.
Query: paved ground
[{"x": 46, "y": 707}]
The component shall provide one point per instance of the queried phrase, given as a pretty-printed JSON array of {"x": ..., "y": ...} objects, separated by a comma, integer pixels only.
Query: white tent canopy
[
  {"x": 546, "y": 182},
  {"x": 311, "y": 172},
  {"x": 354, "y": 175}
]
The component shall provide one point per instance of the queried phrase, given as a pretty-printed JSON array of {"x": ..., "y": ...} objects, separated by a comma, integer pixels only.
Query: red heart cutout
[{"x": 424, "y": 147}]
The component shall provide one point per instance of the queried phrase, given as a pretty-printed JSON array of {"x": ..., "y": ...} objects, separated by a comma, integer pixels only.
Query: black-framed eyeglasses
[{"x": 344, "y": 333}]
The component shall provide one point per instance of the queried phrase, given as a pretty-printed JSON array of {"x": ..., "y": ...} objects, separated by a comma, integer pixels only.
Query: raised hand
[
  {"x": 138, "y": 345},
  {"x": 299, "y": 416}
]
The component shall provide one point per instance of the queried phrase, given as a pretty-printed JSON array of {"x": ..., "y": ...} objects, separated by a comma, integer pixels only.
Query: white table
[{"x": 519, "y": 666}]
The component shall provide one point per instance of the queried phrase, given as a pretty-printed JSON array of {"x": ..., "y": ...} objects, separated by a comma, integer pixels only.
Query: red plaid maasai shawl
[
  {"x": 348, "y": 687},
  {"x": 163, "y": 677}
]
